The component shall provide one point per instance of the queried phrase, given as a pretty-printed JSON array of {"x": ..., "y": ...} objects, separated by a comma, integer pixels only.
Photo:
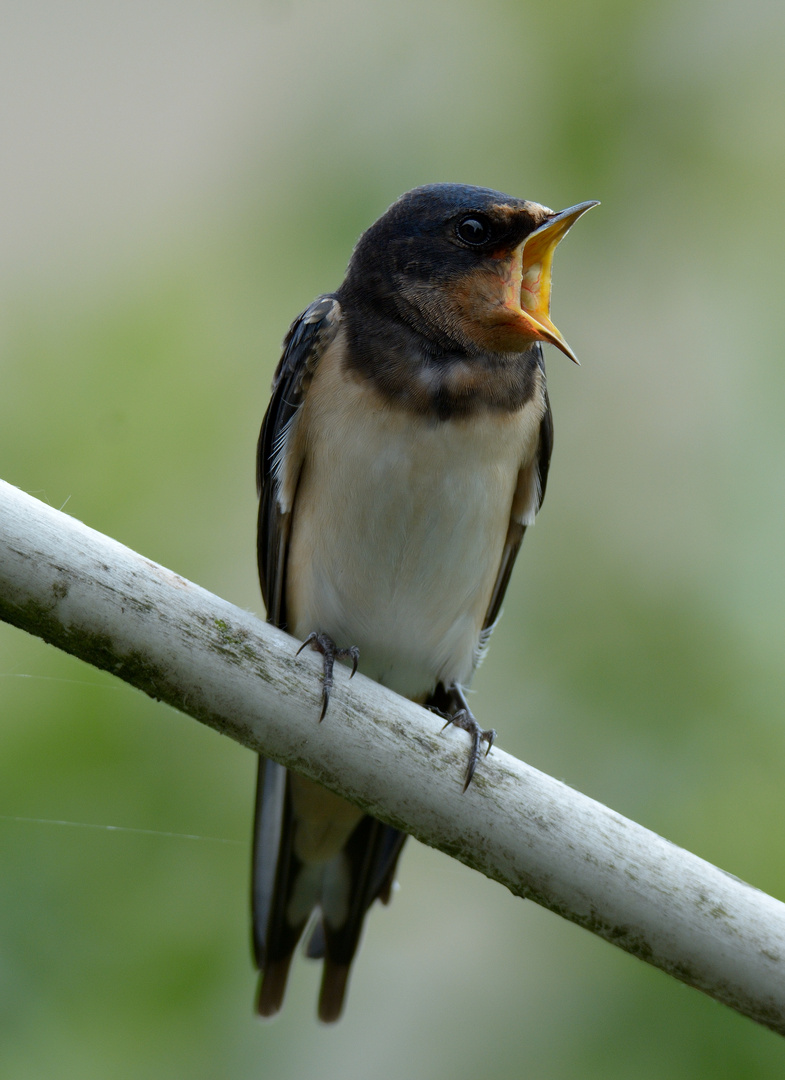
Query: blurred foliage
[{"x": 181, "y": 181}]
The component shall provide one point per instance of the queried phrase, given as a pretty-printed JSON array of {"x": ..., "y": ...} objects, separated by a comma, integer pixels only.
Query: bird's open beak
[{"x": 535, "y": 269}]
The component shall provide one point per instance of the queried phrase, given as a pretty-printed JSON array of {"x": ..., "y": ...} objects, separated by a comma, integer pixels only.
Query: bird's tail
[{"x": 333, "y": 896}]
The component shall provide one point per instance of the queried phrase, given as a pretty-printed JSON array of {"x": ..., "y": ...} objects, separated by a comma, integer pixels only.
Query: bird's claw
[
  {"x": 465, "y": 720},
  {"x": 324, "y": 644}
]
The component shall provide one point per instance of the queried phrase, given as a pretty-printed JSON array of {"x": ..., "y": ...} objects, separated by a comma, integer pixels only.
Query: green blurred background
[{"x": 179, "y": 180}]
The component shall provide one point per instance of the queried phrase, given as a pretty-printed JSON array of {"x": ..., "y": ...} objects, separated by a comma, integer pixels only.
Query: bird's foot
[
  {"x": 324, "y": 644},
  {"x": 465, "y": 719}
]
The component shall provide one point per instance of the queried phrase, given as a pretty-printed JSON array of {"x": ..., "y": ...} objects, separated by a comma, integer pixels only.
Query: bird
[{"x": 402, "y": 456}]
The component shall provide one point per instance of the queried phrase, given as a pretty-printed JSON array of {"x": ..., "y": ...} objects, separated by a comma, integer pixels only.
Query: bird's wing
[
  {"x": 277, "y": 472},
  {"x": 367, "y": 862},
  {"x": 529, "y": 494}
]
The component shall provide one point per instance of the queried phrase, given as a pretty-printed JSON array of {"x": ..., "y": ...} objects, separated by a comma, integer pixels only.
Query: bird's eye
[{"x": 474, "y": 229}]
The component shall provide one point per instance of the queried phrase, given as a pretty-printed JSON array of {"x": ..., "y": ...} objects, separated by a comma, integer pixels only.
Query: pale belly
[{"x": 397, "y": 535}]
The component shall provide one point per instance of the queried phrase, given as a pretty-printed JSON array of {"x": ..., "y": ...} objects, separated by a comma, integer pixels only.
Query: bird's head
[{"x": 465, "y": 266}]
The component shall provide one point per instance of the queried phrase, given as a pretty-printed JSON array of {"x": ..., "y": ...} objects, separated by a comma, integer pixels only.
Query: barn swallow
[{"x": 403, "y": 454}]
